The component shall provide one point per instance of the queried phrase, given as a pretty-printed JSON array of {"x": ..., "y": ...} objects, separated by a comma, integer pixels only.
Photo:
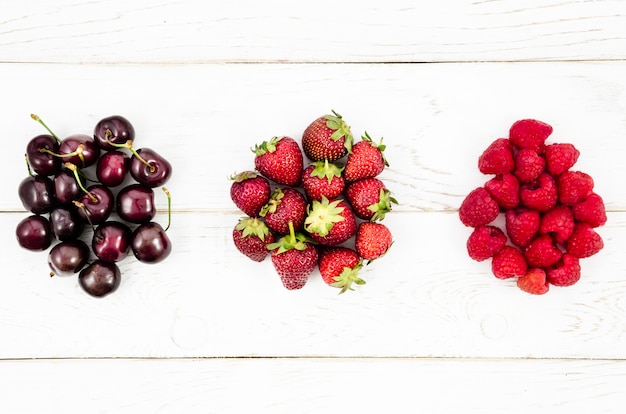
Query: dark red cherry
[
  {"x": 150, "y": 243},
  {"x": 97, "y": 204},
  {"x": 38, "y": 154},
  {"x": 66, "y": 189},
  {"x": 100, "y": 278},
  {"x": 112, "y": 168},
  {"x": 135, "y": 203},
  {"x": 111, "y": 241},
  {"x": 33, "y": 233},
  {"x": 68, "y": 257},
  {"x": 116, "y": 129},
  {"x": 80, "y": 150},
  {"x": 150, "y": 168},
  {"x": 65, "y": 223},
  {"x": 37, "y": 194}
]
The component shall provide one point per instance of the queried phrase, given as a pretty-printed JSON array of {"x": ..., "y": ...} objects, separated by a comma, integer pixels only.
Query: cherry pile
[{"x": 88, "y": 224}]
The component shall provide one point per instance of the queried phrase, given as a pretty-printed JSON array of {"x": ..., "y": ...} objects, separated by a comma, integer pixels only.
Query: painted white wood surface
[{"x": 202, "y": 331}]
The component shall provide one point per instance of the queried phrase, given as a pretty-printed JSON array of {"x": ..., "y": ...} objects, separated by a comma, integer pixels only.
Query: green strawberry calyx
[
  {"x": 328, "y": 170},
  {"x": 266, "y": 146},
  {"x": 347, "y": 277},
  {"x": 273, "y": 203},
  {"x": 253, "y": 227},
  {"x": 336, "y": 123},
  {"x": 243, "y": 176},
  {"x": 290, "y": 241},
  {"x": 380, "y": 146},
  {"x": 385, "y": 200},
  {"x": 322, "y": 216}
]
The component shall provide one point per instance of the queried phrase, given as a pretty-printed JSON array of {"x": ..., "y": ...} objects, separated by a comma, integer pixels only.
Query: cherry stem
[
  {"x": 30, "y": 172},
  {"x": 129, "y": 146},
  {"x": 169, "y": 207},
  {"x": 74, "y": 169},
  {"x": 78, "y": 151},
  {"x": 36, "y": 118},
  {"x": 82, "y": 207}
]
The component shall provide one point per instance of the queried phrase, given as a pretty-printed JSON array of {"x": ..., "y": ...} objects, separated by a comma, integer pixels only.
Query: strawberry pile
[
  {"x": 550, "y": 210},
  {"x": 324, "y": 215}
]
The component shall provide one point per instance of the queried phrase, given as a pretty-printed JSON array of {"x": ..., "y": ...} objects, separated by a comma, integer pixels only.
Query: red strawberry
[
  {"x": 323, "y": 179},
  {"x": 542, "y": 252},
  {"x": 280, "y": 160},
  {"x": 508, "y": 262},
  {"x": 497, "y": 158},
  {"x": 250, "y": 192},
  {"x": 373, "y": 240},
  {"x": 251, "y": 237},
  {"x": 574, "y": 187},
  {"x": 369, "y": 198},
  {"x": 560, "y": 158},
  {"x": 504, "y": 188},
  {"x": 591, "y": 211},
  {"x": 365, "y": 160},
  {"x": 528, "y": 165},
  {"x": 534, "y": 282},
  {"x": 330, "y": 222},
  {"x": 540, "y": 194},
  {"x": 566, "y": 272},
  {"x": 339, "y": 267},
  {"x": 286, "y": 205},
  {"x": 478, "y": 208},
  {"x": 521, "y": 225},
  {"x": 558, "y": 222},
  {"x": 485, "y": 242},
  {"x": 584, "y": 241},
  {"x": 530, "y": 133},
  {"x": 294, "y": 258},
  {"x": 327, "y": 138}
]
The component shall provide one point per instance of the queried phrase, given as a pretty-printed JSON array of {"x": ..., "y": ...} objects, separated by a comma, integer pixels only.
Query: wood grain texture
[{"x": 161, "y": 31}]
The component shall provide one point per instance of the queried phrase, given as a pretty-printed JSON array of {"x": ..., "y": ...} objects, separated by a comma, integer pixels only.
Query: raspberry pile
[
  {"x": 550, "y": 211},
  {"x": 325, "y": 215},
  {"x": 91, "y": 197}
]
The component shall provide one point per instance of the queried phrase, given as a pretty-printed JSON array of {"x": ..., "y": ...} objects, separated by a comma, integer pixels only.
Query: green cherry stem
[
  {"x": 30, "y": 172},
  {"x": 82, "y": 207},
  {"x": 169, "y": 207},
  {"x": 78, "y": 151},
  {"x": 129, "y": 146},
  {"x": 36, "y": 118},
  {"x": 74, "y": 169}
]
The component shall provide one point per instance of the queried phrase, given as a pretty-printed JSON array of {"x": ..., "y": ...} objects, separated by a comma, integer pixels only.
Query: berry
[
  {"x": 250, "y": 192},
  {"x": 330, "y": 222},
  {"x": 508, "y": 262},
  {"x": 286, "y": 205},
  {"x": 574, "y": 187},
  {"x": 339, "y": 267},
  {"x": 37, "y": 194},
  {"x": 522, "y": 224},
  {"x": 504, "y": 189},
  {"x": 478, "y": 208},
  {"x": 534, "y": 282},
  {"x": 369, "y": 198},
  {"x": 591, "y": 211},
  {"x": 150, "y": 243},
  {"x": 68, "y": 257},
  {"x": 294, "y": 258},
  {"x": 111, "y": 241},
  {"x": 149, "y": 168},
  {"x": 280, "y": 160},
  {"x": 112, "y": 168},
  {"x": 100, "y": 278},
  {"x": 373, "y": 240},
  {"x": 34, "y": 233},
  {"x": 542, "y": 252},
  {"x": 530, "y": 133},
  {"x": 251, "y": 237},
  {"x": 114, "y": 129},
  {"x": 558, "y": 223},
  {"x": 528, "y": 165},
  {"x": 541, "y": 194},
  {"x": 66, "y": 224},
  {"x": 497, "y": 158},
  {"x": 39, "y": 155},
  {"x": 323, "y": 179},
  {"x": 584, "y": 241},
  {"x": 365, "y": 160},
  {"x": 484, "y": 242},
  {"x": 565, "y": 272},
  {"x": 327, "y": 138},
  {"x": 560, "y": 158}
]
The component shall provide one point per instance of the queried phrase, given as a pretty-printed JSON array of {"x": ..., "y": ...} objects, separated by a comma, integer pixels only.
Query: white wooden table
[{"x": 210, "y": 331}]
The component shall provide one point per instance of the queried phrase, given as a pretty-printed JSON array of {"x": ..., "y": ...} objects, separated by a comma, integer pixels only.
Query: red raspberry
[
  {"x": 540, "y": 194},
  {"x": 497, "y": 158},
  {"x": 565, "y": 272},
  {"x": 521, "y": 225},
  {"x": 504, "y": 188},
  {"x": 508, "y": 262},
  {"x": 584, "y": 241},
  {"x": 591, "y": 211},
  {"x": 534, "y": 282},
  {"x": 478, "y": 208},
  {"x": 574, "y": 187},
  {"x": 528, "y": 165},
  {"x": 542, "y": 252},
  {"x": 558, "y": 222},
  {"x": 560, "y": 158},
  {"x": 530, "y": 133},
  {"x": 484, "y": 242}
]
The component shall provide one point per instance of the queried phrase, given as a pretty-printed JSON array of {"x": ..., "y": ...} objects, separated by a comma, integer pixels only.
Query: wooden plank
[
  {"x": 369, "y": 31},
  {"x": 313, "y": 386}
]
